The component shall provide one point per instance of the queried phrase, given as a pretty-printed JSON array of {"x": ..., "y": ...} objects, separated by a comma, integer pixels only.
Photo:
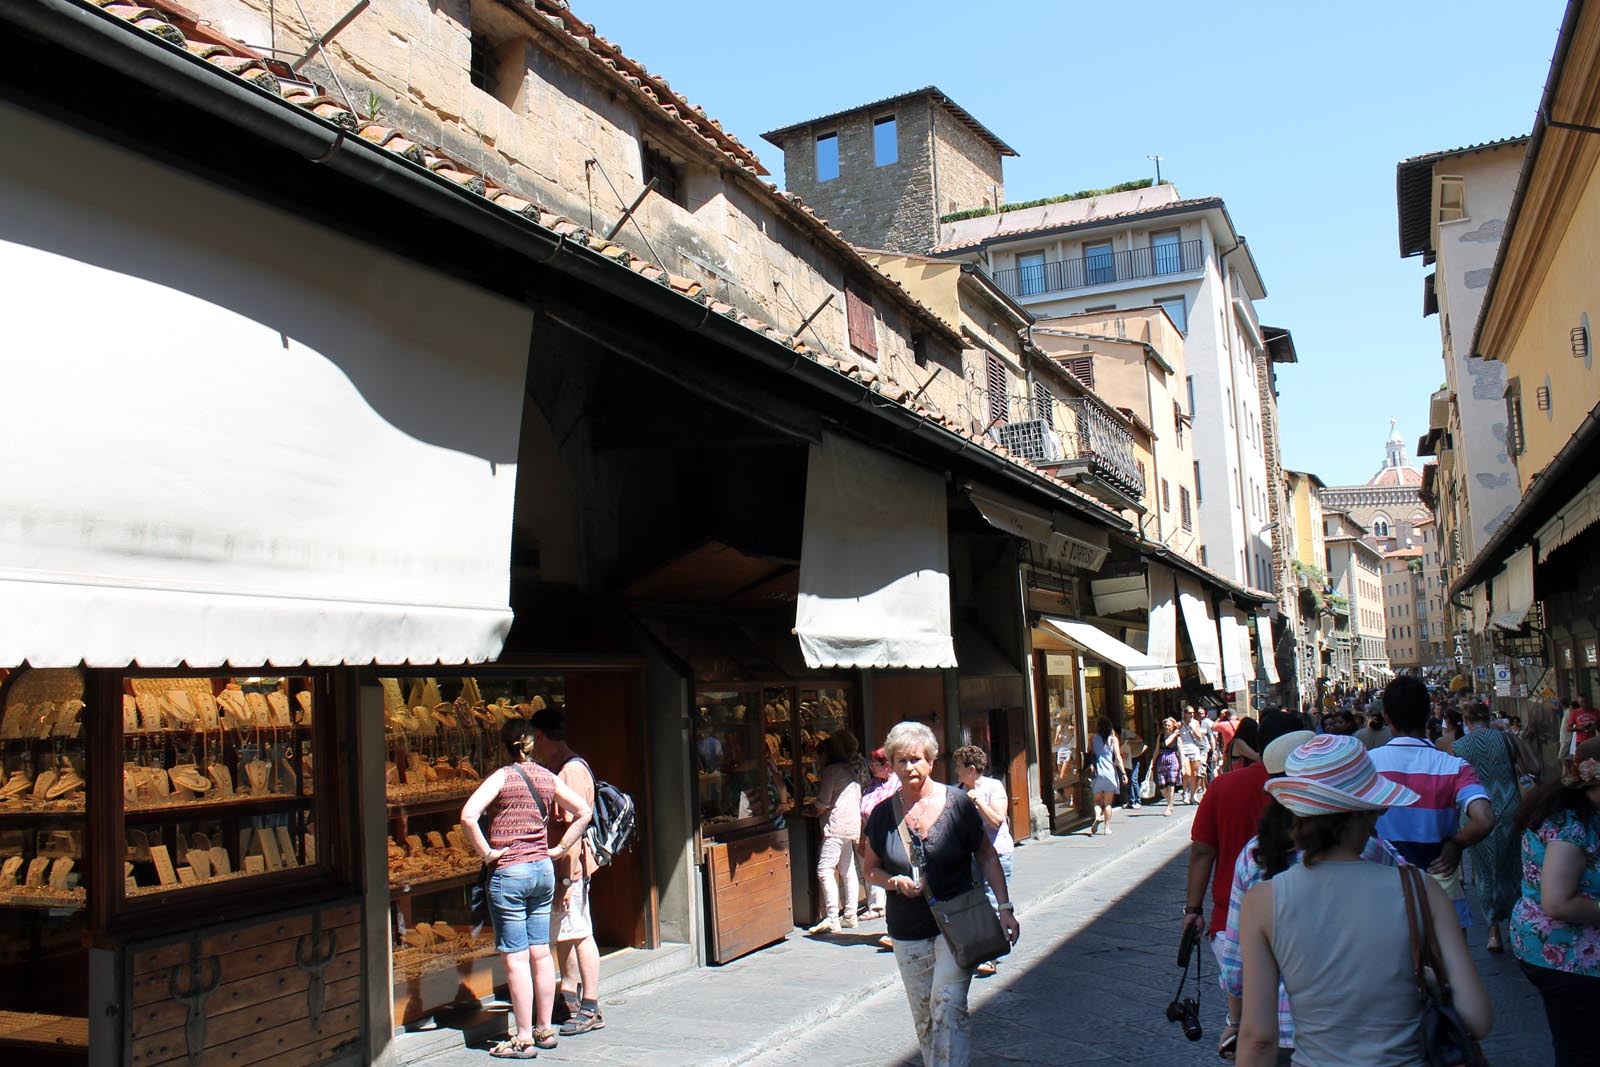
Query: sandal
[
  {"x": 545, "y": 1037},
  {"x": 514, "y": 1048},
  {"x": 582, "y": 1021},
  {"x": 1228, "y": 1047},
  {"x": 869, "y": 914}
]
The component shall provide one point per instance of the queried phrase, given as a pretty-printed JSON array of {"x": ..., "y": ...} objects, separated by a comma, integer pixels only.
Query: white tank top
[{"x": 1343, "y": 948}]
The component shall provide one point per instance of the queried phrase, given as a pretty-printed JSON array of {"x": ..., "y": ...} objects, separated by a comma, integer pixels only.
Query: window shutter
[
  {"x": 863, "y": 323},
  {"x": 997, "y": 388},
  {"x": 1515, "y": 442},
  {"x": 1044, "y": 404},
  {"x": 1185, "y": 508},
  {"x": 1082, "y": 368}
]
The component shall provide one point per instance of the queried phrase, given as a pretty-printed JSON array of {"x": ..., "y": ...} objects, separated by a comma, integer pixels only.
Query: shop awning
[
  {"x": 1237, "y": 670},
  {"x": 1202, "y": 630},
  {"x": 1141, "y": 671},
  {"x": 216, "y": 461},
  {"x": 1480, "y": 608},
  {"x": 874, "y": 561},
  {"x": 1513, "y": 590},
  {"x": 1269, "y": 658},
  {"x": 1162, "y": 647},
  {"x": 1068, "y": 540},
  {"x": 1577, "y": 516}
]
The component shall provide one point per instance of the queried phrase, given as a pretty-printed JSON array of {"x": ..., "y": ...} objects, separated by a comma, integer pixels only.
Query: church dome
[{"x": 1397, "y": 469}]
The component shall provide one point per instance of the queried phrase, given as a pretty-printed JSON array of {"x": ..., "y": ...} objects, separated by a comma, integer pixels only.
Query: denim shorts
[{"x": 519, "y": 905}]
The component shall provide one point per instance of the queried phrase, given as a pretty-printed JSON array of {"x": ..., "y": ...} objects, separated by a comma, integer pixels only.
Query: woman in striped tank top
[{"x": 517, "y": 799}]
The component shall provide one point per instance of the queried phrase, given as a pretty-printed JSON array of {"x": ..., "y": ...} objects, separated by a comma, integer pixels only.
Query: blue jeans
[{"x": 520, "y": 897}]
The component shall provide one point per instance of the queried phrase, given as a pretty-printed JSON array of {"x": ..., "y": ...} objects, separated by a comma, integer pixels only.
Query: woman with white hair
[{"x": 946, "y": 835}]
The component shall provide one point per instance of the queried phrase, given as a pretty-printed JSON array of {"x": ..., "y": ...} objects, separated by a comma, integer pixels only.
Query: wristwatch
[
  {"x": 1194, "y": 909},
  {"x": 1008, "y": 906}
]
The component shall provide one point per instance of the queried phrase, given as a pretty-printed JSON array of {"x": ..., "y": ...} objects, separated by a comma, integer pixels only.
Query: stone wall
[
  {"x": 888, "y": 207},
  {"x": 559, "y": 134},
  {"x": 967, "y": 170}
]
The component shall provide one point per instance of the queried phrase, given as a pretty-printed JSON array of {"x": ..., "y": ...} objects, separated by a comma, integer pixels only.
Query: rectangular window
[
  {"x": 483, "y": 66},
  {"x": 1164, "y": 257},
  {"x": 863, "y": 322},
  {"x": 1030, "y": 273},
  {"x": 1516, "y": 441},
  {"x": 1177, "y": 423},
  {"x": 1099, "y": 263},
  {"x": 827, "y": 157},
  {"x": 668, "y": 175},
  {"x": 1081, "y": 368},
  {"x": 885, "y": 142},
  {"x": 1452, "y": 198},
  {"x": 997, "y": 388},
  {"x": 1230, "y": 405},
  {"x": 1177, "y": 310},
  {"x": 1100, "y": 309},
  {"x": 1192, "y": 408},
  {"x": 1185, "y": 508},
  {"x": 1199, "y": 495},
  {"x": 1166, "y": 495}
]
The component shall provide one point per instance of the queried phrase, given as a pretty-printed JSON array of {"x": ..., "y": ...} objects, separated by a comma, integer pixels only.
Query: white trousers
[
  {"x": 936, "y": 989},
  {"x": 836, "y": 860}
]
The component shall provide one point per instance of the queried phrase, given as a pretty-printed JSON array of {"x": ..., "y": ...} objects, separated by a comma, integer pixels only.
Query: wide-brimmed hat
[
  {"x": 1276, "y": 754},
  {"x": 1332, "y": 774}
]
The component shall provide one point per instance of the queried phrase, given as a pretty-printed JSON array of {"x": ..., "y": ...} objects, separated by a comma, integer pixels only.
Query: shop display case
[
  {"x": 442, "y": 735},
  {"x": 735, "y": 773}
]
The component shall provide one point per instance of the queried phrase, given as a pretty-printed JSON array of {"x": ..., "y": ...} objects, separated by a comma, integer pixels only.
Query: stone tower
[{"x": 884, "y": 173}]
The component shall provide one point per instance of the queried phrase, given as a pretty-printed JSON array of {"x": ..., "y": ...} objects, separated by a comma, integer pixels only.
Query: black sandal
[{"x": 582, "y": 1021}]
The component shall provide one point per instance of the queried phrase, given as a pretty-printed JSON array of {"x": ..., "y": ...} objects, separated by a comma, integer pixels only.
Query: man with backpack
[{"x": 577, "y": 954}]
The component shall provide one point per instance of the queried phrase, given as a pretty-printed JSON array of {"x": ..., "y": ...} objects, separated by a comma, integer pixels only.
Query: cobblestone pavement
[
  {"x": 1090, "y": 981},
  {"x": 1087, "y": 985}
]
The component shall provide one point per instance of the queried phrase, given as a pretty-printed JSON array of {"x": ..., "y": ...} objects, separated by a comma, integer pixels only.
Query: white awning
[
  {"x": 1580, "y": 513},
  {"x": 1237, "y": 670},
  {"x": 1139, "y": 668},
  {"x": 1202, "y": 630},
  {"x": 217, "y": 461},
  {"x": 1062, "y": 537},
  {"x": 1162, "y": 646},
  {"x": 1513, "y": 590},
  {"x": 874, "y": 562},
  {"x": 1480, "y": 608},
  {"x": 1269, "y": 658}
]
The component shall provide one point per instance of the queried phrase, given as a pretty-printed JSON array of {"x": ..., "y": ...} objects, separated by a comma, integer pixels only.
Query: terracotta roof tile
[{"x": 247, "y": 66}]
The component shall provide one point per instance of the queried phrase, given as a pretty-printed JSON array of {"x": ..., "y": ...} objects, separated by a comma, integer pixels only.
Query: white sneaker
[
  {"x": 849, "y": 922},
  {"x": 830, "y": 925}
]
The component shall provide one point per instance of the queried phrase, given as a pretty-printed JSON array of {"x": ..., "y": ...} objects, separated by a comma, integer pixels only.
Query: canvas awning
[
  {"x": 214, "y": 461},
  {"x": 1202, "y": 630},
  {"x": 1162, "y": 646},
  {"x": 1480, "y": 608},
  {"x": 1060, "y": 537},
  {"x": 874, "y": 561},
  {"x": 1513, "y": 590},
  {"x": 1582, "y": 512},
  {"x": 1269, "y": 658},
  {"x": 1141, "y": 671},
  {"x": 1237, "y": 670}
]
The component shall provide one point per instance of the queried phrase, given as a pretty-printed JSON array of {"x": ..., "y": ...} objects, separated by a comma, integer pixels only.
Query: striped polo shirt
[{"x": 1444, "y": 784}]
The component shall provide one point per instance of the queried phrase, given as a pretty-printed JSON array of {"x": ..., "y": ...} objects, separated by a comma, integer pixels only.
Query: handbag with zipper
[{"x": 967, "y": 920}]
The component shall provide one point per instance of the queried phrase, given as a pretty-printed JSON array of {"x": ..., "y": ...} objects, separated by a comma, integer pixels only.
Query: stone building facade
[{"x": 942, "y": 161}]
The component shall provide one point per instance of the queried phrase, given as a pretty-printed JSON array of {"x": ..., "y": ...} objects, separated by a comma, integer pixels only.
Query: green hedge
[{"x": 1082, "y": 194}]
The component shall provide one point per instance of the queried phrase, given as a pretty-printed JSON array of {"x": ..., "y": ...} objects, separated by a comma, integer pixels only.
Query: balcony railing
[
  {"x": 1093, "y": 436},
  {"x": 1101, "y": 268}
]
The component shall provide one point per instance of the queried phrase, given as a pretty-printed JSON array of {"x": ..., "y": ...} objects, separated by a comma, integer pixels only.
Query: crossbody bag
[
  {"x": 967, "y": 921},
  {"x": 478, "y": 899},
  {"x": 1446, "y": 1041}
]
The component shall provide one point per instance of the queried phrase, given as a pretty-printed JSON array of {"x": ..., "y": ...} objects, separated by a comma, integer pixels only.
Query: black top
[{"x": 949, "y": 849}]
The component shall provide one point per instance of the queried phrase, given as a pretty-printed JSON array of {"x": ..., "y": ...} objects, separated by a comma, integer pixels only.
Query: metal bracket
[
  {"x": 1573, "y": 126},
  {"x": 809, "y": 319},
  {"x": 320, "y": 40},
  {"x": 194, "y": 997},
  {"x": 630, "y": 209}
]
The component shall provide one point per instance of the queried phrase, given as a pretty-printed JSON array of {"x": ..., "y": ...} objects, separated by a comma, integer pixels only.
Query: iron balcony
[{"x": 1101, "y": 268}]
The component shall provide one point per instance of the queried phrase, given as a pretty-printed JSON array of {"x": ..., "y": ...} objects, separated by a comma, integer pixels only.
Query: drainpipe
[{"x": 1155, "y": 451}]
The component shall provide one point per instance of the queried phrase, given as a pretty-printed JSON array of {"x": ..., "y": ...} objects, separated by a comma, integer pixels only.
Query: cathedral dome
[{"x": 1397, "y": 468}]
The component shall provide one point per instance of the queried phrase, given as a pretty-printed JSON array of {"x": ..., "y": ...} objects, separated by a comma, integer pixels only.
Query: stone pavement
[
  {"x": 1090, "y": 982},
  {"x": 783, "y": 994}
]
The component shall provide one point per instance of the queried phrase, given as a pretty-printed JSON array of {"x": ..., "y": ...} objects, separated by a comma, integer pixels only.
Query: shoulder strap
[
  {"x": 1409, "y": 887},
  {"x": 538, "y": 801},
  {"x": 1513, "y": 753}
]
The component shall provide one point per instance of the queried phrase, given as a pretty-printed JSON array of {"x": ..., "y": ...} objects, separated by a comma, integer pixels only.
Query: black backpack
[{"x": 613, "y": 826}]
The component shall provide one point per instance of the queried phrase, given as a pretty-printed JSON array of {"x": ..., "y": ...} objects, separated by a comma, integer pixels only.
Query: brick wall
[
  {"x": 968, "y": 170},
  {"x": 888, "y": 207}
]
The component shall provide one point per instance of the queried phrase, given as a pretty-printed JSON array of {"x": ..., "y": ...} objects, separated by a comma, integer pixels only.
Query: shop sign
[
  {"x": 1481, "y": 674},
  {"x": 1519, "y": 690},
  {"x": 1591, "y": 653},
  {"x": 1502, "y": 679},
  {"x": 1566, "y": 657}
]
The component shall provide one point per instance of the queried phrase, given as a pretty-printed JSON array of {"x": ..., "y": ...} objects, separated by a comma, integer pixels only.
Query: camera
[{"x": 1187, "y": 1012}]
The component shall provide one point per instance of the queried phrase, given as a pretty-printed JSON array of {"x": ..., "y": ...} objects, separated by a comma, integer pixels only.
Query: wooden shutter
[
  {"x": 863, "y": 323},
  {"x": 1082, "y": 368},
  {"x": 997, "y": 388}
]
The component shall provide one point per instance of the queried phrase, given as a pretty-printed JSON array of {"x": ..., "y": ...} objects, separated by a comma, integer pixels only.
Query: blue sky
[{"x": 1295, "y": 113}]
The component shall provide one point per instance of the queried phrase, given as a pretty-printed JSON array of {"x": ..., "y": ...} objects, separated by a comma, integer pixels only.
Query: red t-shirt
[
  {"x": 1225, "y": 729},
  {"x": 1226, "y": 821}
]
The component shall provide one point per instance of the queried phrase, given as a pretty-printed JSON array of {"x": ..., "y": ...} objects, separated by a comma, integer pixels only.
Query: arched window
[{"x": 1380, "y": 526}]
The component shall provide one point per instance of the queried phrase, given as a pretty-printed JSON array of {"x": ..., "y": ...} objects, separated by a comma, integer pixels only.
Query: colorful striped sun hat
[{"x": 1332, "y": 774}]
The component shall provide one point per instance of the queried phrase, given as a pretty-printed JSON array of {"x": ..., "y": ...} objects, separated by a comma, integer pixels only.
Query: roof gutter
[{"x": 110, "y": 42}]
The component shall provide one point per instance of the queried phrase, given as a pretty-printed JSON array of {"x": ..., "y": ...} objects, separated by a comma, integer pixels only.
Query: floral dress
[
  {"x": 1536, "y": 938},
  {"x": 1495, "y": 867}
]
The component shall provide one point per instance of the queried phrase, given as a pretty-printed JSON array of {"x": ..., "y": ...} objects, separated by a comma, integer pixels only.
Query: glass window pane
[
  {"x": 1030, "y": 273},
  {"x": 827, "y": 157},
  {"x": 731, "y": 757},
  {"x": 1099, "y": 264},
  {"x": 1164, "y": 252}
]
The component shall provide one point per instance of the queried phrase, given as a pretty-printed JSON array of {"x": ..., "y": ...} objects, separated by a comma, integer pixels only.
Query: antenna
[{"x": 1157, "y": 160}]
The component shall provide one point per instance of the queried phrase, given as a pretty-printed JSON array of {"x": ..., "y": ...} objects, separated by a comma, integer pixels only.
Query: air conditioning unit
[{"x": 1034, "y": 440}]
